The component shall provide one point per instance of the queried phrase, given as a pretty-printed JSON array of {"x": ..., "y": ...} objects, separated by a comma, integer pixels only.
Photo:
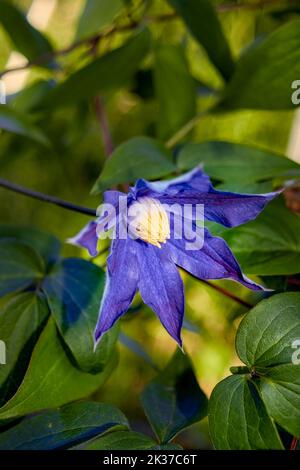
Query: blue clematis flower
[{"x": 148, "y": 258}]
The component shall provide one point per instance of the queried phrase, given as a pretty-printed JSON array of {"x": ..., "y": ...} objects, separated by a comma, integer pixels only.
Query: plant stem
[
  {"x": 104, "y": 126},
  {"x": 225, "y": 292},
  {"x": 294, "y": 443},
  {"x": 46, "y": 198},
  {"x": 184, "y": 130}
]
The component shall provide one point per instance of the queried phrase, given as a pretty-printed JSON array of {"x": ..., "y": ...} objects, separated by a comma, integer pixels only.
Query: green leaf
[
  {"x": 266, "y": 334},
  {"x": 29, "y": 97},
  {"x": 27, "y": 39},
  {"x": 45, "y": 244},
  {"x": 121, "y": 440},
  {"x": 238, "y": 419},
  {"x": 172, "y": 79},
  {"x": 13, "y": 121},
  {"x": 51, "y": 380},
  {"x": 97, "y": 14},
  {"x": 280, "y": 390},
  {"x": 20, "y": 266},
  {"x": 264, "y": 75},
  {"x": 74, "y": 290},
  {"x": 106, "y": 73},
  {"x": 174, "y": 400},
  {"x": 203, "y": 23},
  {"x": 63, "y": 427},
  {"x": 21, "y": 321},
  {"x": 229, "y": 162},
  {"x": 140, "y": 157},
  {"x": 269, "y": 245}
]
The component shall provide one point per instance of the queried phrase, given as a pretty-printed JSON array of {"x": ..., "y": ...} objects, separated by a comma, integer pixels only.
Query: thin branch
[
  {"x": 294, "y": 443},
  {"x": 104, "y": 126},
  {"x": 184, "y": 130},
  {"x": 228, "y": 294},
  {"x": 46, "y": 198},
  {"x": 48, "y": 57}
]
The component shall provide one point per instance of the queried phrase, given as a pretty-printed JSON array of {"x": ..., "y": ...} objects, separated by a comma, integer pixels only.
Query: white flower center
[{"x": 148, "y": 220}]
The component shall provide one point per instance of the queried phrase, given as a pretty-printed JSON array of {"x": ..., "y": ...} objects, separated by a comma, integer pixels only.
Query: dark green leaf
[
  {"x": 169, "y": 446},
  {"x": 174, "y": 400},
  {"x": 45, "y": 244},
  {"x": 20, "y": 266},
  {"x": 270, "y": 245},
  {"x": 238, "y": 419},
  {"x": 95, "y": 15},
  {"x": 140, "y": 157},
  {"x": 265, "y": 336},
  {"x": 74, "y": 289},
  {"x": 21, "y": 321},
  {"x": 121, "y": 440},
  {"x": 202, "y": 21},
  {"x": 264, "y": 75},
  {"x": 229, "y": 162},
  {"x": 107, "y": 73},
  {"x": 280, "y": 390},
  {"x": 63, "y": 427},
  {"x": 172, "y": 79},
  {"x": 51, "y": 380},
  {"x": 12, "y": 121},
  {"x": 27, "y": 39}
]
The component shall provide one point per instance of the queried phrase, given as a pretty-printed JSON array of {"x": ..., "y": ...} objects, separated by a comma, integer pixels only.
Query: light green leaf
[
  {"x": 20, "y": 266},
  {"x": 63, "y": 427},
  {"x": 238, "y": 419},
  {"x": 95, "y": 15},
  {"x": 280, "y": 390},
  {"x": 264, "y": 75},
  {"x": 172, "y": 79},
  {"x": 174, "y": 400},
  {"x": 140, "y": 157},
  {"x": 21, "y": 321},
  {"x": 202, "y": 21},
  {"x": 51, "y": 380},
  {"x": 266, "y": 334},
  {"x": 74, "y": 290}
]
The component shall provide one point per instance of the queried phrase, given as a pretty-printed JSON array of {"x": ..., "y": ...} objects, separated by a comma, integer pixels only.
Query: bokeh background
[{"x": 70, "y": 167}]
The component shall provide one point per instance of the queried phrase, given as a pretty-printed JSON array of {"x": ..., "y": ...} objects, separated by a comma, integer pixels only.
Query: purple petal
[
  {"x": 112, "y": 197},
  {"x": 226, "y": 208},
  {"x": 161, "y": 288},
  {"x": 121, "y": 284},
  {"x": 194, "y": 180},
  {"x": 214, "y": 260},
  {"x": 87, "y": 238}
]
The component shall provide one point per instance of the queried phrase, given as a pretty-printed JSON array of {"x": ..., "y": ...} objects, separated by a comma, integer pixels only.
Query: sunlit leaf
[
  {"x": 202, "y": 21},
  {"x": 264, "y": 75}
]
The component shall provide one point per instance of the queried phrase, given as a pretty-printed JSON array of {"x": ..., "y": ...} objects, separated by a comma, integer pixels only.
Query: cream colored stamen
[{"x": 148, "y": 220}]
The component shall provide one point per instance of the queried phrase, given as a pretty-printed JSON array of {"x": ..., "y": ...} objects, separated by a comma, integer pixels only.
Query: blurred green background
[{"x": 69, "y": 168}]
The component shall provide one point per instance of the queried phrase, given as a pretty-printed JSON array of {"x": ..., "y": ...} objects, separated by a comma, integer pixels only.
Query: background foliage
[{"x": 158, "y": 87}]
